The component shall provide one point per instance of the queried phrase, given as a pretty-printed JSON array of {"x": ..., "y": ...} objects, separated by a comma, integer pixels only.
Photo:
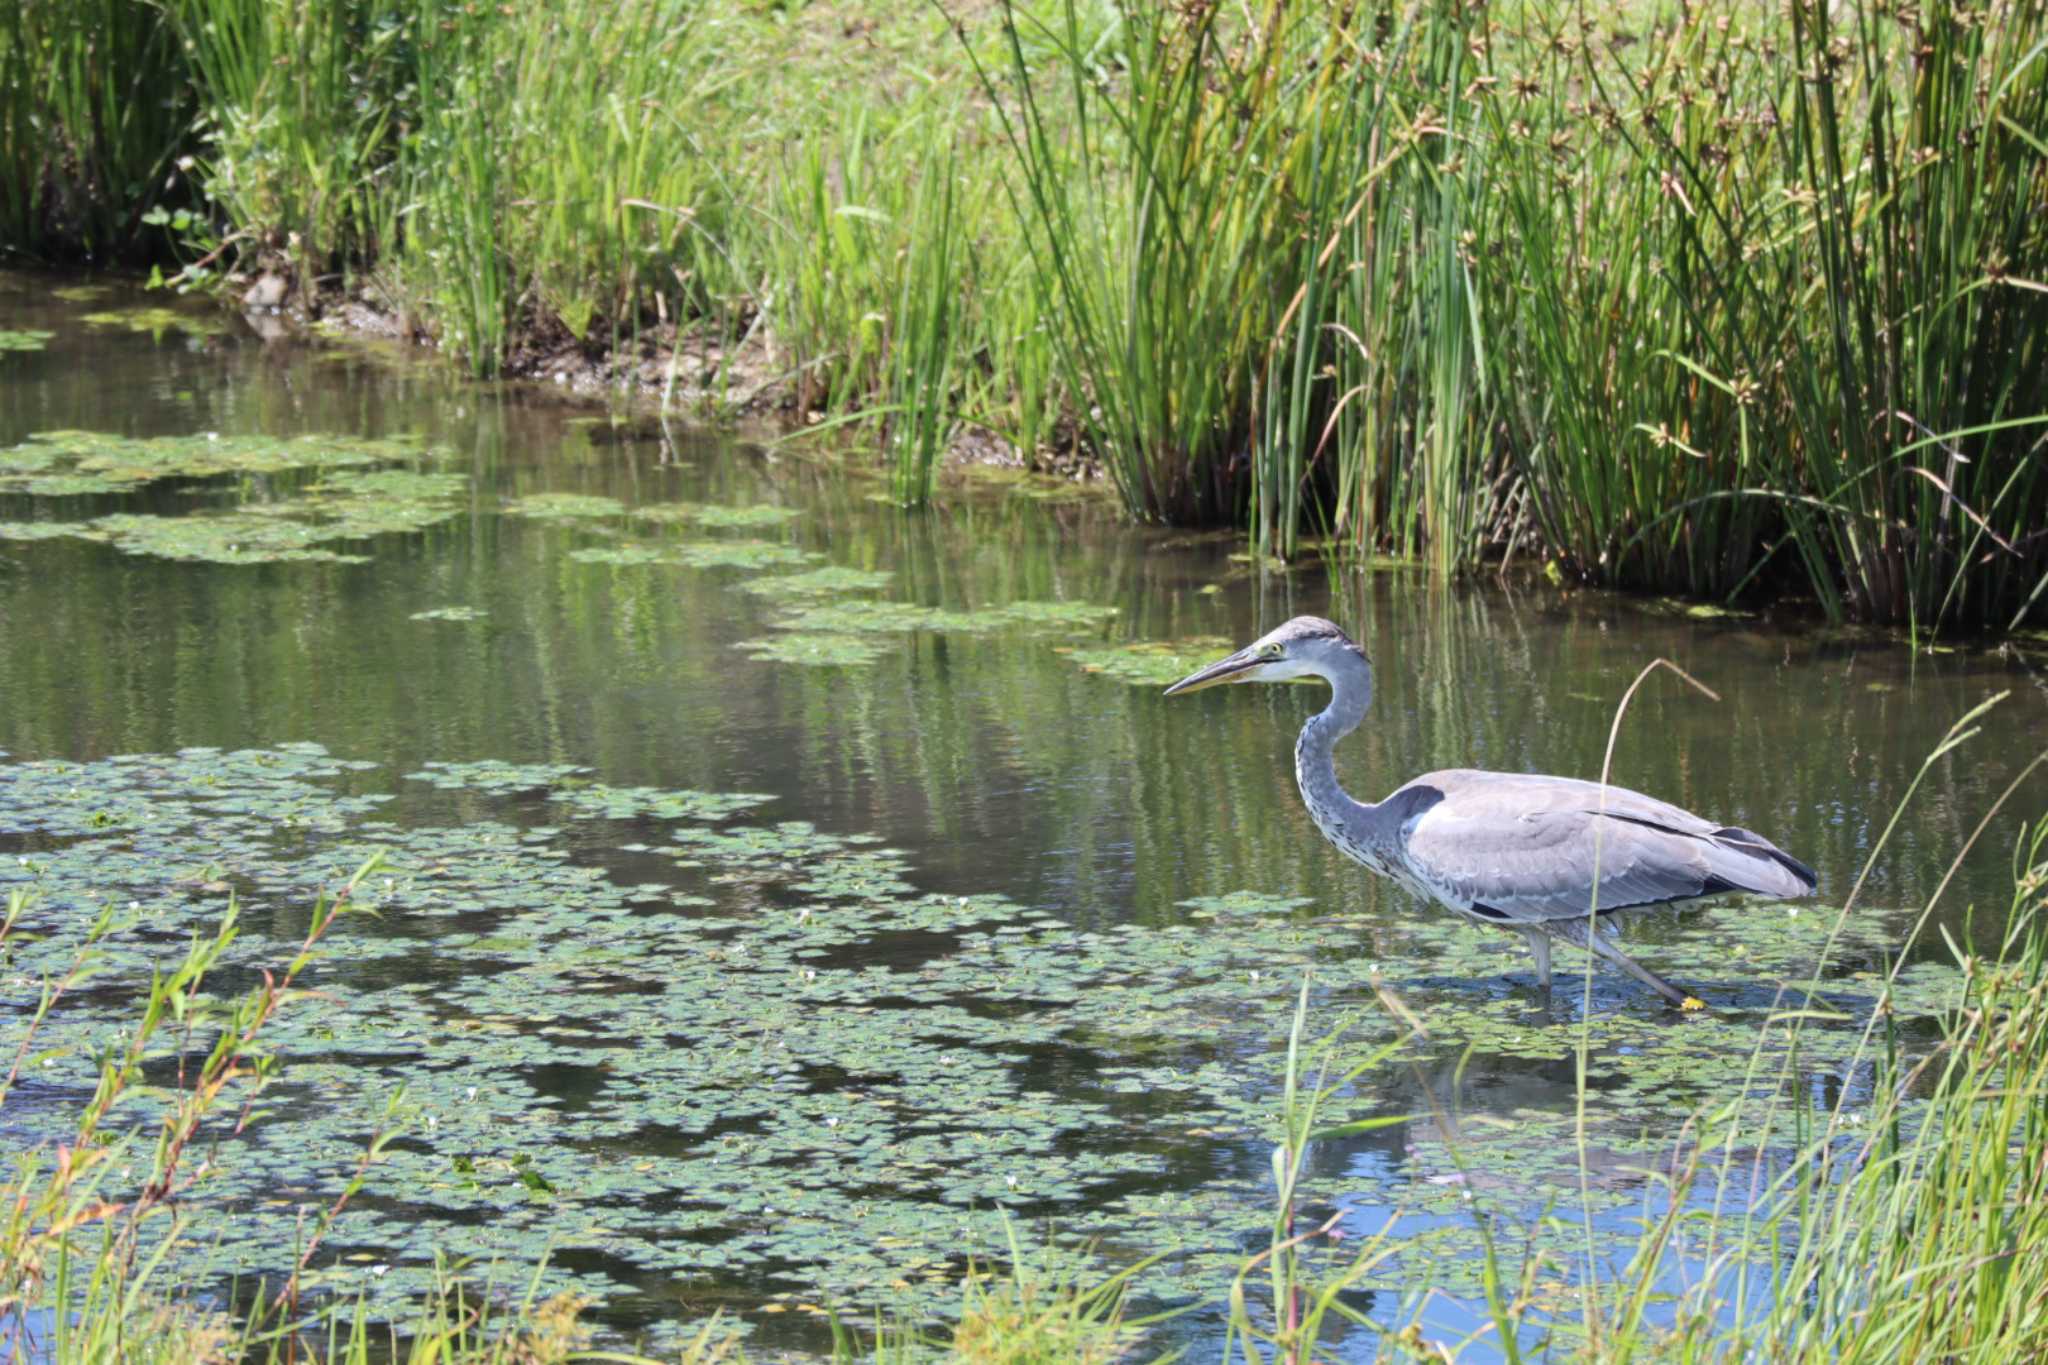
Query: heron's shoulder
[{"x": 1477, "y": 792}]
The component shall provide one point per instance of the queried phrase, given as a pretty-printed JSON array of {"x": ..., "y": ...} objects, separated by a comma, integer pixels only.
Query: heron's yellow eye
[{"x": 1273, "y": 651}]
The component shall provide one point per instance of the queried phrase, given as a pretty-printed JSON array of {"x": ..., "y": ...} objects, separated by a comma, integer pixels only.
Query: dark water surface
[{"x": 728, "y": 1114}]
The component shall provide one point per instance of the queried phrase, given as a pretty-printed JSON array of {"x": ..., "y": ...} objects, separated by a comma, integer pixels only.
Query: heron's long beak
[{"x": 1232, "y": 669}]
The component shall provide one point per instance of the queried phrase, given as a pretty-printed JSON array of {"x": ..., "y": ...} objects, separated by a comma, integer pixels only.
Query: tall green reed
[
  {"x": 458, "y": 199},
  {"x": 1149, "y": 166},
  {"x": 921, "y": 338},
  {"x": 93, "y": 116},
  {"x": 301, "y": 104},
  {"x": 1607, "y": 330},
  {"x": 1917, "y": 404}
]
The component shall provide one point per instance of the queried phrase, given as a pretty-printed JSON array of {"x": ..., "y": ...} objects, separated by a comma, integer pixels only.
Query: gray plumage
[{"x": 1512, "y": 851}]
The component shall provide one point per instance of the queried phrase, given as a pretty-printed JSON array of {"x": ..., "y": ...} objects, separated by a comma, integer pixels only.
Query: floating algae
[
  {"x": 825, "y": 582},
  {"x": 1152, "y": 662},
  {"x": 713, "y": 516},
  {"x": 95, "y": 461},
  {"x": 839, "y": 634},
  {"x": 350, "y": 502},
  {"x": 223, "y": 538},
  {"x": 42, "y": 530},
  {"x": 565, "y": 506},
  {"x": 624, "y": 556},
  {"x": 740, "y": 554},
  {"x": 816, "y": 649},
  {"x": 787, "y": 1065},
  {"x": 156, "y": 321}
]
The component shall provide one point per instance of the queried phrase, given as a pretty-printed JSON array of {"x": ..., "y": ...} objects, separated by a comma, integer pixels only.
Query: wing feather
[{"x": 1519, "y": 848}]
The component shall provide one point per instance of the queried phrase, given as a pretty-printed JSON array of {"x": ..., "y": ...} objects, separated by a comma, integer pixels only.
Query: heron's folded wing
[{"x": 1521, "y": 852}]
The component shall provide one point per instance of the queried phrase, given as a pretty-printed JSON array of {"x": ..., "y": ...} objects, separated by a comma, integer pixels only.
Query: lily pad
[
  {"x": 226, "y": 538},
  {"x": 565, "y": 506},
  {"x": 624, "y": 556},
  {"x": 53, "y": 462},
  {"x": 1152, "y": 663},
  {"x": 826, "y": 582},
  {"x": 816, "y": 649},
  {"x": 29, "y": 340},
  {"x": 714, "y": 516},
  {"x": 156, "y": 321},
  {"x": 43, "y": 530},
  {"x": 491, "y": 776},
  {"x": 740, "y": 554}
]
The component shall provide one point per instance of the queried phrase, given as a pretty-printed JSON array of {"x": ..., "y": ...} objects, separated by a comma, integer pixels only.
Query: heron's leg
[
  {"x": 1539, "y": 949},
  {"x": 1600, "y": 945}
]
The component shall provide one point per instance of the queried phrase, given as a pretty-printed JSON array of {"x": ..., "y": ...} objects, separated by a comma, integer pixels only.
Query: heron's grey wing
[{"x": 1521, "y": 849}]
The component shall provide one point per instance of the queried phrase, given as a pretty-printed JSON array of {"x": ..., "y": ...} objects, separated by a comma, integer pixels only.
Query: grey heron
[{"x": 1512, "y": 851}]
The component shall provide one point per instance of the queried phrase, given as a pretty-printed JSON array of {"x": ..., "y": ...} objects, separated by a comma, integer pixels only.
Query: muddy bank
[{"x": 697, "y": 368}]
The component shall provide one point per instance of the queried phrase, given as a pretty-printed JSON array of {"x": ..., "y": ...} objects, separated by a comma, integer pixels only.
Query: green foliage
[
  {"x": 1686, "y": 301},
  {"x": 93, "y": 114}
]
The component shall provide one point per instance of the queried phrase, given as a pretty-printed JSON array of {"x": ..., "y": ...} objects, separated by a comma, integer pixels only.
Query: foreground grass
[{"x": 1698, "y": 298}]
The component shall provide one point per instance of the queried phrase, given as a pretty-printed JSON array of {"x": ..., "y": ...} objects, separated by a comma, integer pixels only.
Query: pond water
[{"x": 781, "y": 891}]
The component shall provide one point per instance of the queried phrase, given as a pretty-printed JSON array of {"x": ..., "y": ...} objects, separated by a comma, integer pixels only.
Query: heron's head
[{"x": 1305, "y": 646}]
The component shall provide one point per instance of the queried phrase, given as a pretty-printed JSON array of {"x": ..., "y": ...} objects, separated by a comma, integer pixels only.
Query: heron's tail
[{"x": 1764, "y": 867}]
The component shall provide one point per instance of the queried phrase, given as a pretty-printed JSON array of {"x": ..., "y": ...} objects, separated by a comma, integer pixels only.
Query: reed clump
[{"x": 1702, "y": 298}]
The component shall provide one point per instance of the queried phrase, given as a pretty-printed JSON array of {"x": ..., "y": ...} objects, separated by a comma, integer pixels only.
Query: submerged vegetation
[{"x": 1691, "y": 297}]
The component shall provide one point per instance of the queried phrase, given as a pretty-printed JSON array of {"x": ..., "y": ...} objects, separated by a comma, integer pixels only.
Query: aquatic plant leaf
[
  {"x": 825, "y": 582},
  {"x": 226, "y": 538},
  {"x": 565, "y": 506},
  {"x": 399, "y": 485},
  {"x": 103, "y": 461},
  {"x": 818, "y": 649},
  {"x": 716, "y": 517},
  {"x": 598, "y": 799},
  {"x": 26, "y": 340},
  {"x": 450, "y": 614},
  {"x": 624, "y": 556},
  {"x": 1151, "y": 662},
  {"x": 740, "y": 554},
  {"x": 43, "y": 530},
  {"x": 490, "y": 776},
  {"x": 1066, "y": 615},
  {"x": 156, "y": 320}
]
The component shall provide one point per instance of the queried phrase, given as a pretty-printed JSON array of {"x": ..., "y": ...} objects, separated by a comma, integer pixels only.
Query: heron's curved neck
[{"x": 1339, "y": 816}]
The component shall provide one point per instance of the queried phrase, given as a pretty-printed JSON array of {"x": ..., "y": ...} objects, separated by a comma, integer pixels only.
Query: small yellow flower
[{"x": 1691, "y": 1003}]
